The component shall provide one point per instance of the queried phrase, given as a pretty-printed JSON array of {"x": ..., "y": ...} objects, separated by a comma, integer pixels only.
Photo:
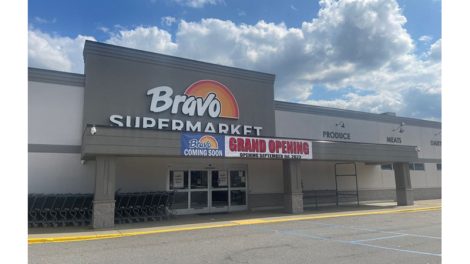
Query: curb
[{"x": 117, "y": 234}]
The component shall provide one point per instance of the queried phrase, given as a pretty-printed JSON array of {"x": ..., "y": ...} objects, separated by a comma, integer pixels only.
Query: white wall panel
[
  {"x": 54, "y": 114},
  {"x": 317, "y": 175},
  {"x": 370, "y": 177},
  {"x": 265, "y": 176},
  {"x": 388, "y": 178},
  {"x": 418, "y": 179},
  {"x": 141, "y": 174},
  {"x": 59, "y": 173}
]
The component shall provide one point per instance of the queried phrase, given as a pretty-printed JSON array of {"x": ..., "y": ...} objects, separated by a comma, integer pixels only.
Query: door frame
[{"x": 209, "y": 208}]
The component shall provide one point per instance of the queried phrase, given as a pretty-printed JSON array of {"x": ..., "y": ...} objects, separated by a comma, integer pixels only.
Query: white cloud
[
  {"x": 197, "y": 3},
  {"x": 376, "y": 103},
  {"x": 168, "y": 20},
  {"x": 54, "y": 52},
  {"x": 425, "y": 38},
  {"x": 144, "y": 38},
  {"x": 361, "y": 44},
  {"x": 103, "y": 29},
  {"x": 41, "y": 20},
  {"x": 434, "y": 52}
]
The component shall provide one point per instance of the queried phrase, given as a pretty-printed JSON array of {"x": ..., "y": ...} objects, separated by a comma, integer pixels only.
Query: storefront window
[
  {"x": 219, "y": 198},
  {"x": 178, "y": 180},
  {"x": 198, "y": 199},
  {"x": 417, "y": 166},
  {"x": 238, "y": 197},
  {"x": 386, "y": 167},
  {"x": 237, "y": 179},
  {"x": 181, "y": 200},
  {"x": 199, "y": 179}
]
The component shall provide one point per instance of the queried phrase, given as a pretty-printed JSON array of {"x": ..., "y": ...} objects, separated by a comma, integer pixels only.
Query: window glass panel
[
  {"x": 238, "y": 197},
  {"x": 237, "y": 178},
  {"x": 419, "y": 166},
  {"x": 438, "y": 166},
  {"x": 411, "y": 165},
  {"x": 219, "y": 179},
  {"x": 181, "y": 200},
  {"x": 386, "y": 167},
  {"x": 219, "y": 198},
  {"x": 198, "y": 199},
  {"x": 178, "y": 180},
  {"x": 198, "y": 179}
]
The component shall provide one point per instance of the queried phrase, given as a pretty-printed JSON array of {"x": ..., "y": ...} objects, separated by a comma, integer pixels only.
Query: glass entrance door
[
  {"x": 199, "y": 189},
  {"x": 219, "y": 200},
  {"x": 205, "y": 191},
  {"x": 237, "y": 190}
]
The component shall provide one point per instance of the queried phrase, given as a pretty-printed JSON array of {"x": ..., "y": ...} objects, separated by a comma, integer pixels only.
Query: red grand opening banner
[{"x": 269, "y": 148}]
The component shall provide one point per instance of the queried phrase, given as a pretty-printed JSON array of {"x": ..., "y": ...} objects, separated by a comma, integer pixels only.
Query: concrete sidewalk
[{"x": 198, "y": 222}]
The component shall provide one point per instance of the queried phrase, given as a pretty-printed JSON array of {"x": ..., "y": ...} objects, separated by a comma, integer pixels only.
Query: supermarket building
[{"x": 138, "y": 121}]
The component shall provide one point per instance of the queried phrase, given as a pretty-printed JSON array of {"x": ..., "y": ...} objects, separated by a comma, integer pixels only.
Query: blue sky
[
  {"x": 362, "y": 55},
  {"x": 86, "y": 17}
]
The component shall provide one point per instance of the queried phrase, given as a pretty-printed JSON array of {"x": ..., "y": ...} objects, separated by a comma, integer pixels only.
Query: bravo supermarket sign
[{"x": 204, "y": 98}]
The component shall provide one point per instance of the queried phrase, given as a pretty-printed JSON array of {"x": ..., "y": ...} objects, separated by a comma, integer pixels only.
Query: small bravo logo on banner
[
  {"x": 267, "y": 148},
  {"x": 202, "y": 145}
]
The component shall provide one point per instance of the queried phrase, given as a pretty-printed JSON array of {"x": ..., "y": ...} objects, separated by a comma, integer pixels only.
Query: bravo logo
[
  {"x": 201, "y": 97},
  {"x": 202, "y": 145},
  {"x": 205, "y": 142}
]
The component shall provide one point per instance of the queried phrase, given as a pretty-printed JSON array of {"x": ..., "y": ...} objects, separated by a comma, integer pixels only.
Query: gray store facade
[{"x": 216, "y": 136}]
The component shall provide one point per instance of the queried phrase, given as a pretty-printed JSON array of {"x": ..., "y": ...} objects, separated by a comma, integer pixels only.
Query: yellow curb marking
[{"x": 227, "y": 224}]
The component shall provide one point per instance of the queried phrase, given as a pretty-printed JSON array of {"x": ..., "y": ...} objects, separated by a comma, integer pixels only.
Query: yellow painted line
[{"x": 225, "y": 224}]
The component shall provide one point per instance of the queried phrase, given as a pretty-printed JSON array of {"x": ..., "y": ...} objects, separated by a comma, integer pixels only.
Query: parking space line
[
  {"x": 375, "y": 230},
  {"x": 377, "y": 238},
  {"x": 399, "y": 249},
  {"x": 294, "y": 233}
]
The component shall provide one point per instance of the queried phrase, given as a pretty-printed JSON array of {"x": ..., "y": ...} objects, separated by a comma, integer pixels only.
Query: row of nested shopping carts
[{"x": 53, "y": 210}]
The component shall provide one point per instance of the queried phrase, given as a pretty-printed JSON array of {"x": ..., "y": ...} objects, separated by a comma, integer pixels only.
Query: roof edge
[
  {"x": 329, "y": 111},
  {"x": 93, "y": 47},
  {"x": 55, "y": 77}
]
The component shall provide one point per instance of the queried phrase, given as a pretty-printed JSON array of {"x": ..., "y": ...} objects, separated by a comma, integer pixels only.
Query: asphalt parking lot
[{"x": 413, "y": 237}]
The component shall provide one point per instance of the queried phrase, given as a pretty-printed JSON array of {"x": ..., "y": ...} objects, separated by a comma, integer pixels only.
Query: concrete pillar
[
  {"x": 403, "y": 184},
  {"x": 105, "y": 184},
  {"x": 293, "y": 196}
]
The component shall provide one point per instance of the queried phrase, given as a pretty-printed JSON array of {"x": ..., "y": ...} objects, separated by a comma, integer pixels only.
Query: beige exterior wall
[
  {"x": 151, "y": 174},
  {"x": 319, "y": 175}
]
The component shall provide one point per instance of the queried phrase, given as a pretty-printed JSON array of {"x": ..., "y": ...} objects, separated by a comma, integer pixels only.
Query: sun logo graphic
[
  {"x": 205, "y": 142},
  {"x": 201, "y": 97}
]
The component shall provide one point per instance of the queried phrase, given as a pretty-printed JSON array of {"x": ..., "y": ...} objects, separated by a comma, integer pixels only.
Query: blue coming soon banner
[{"x": 202, "y": 145}]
